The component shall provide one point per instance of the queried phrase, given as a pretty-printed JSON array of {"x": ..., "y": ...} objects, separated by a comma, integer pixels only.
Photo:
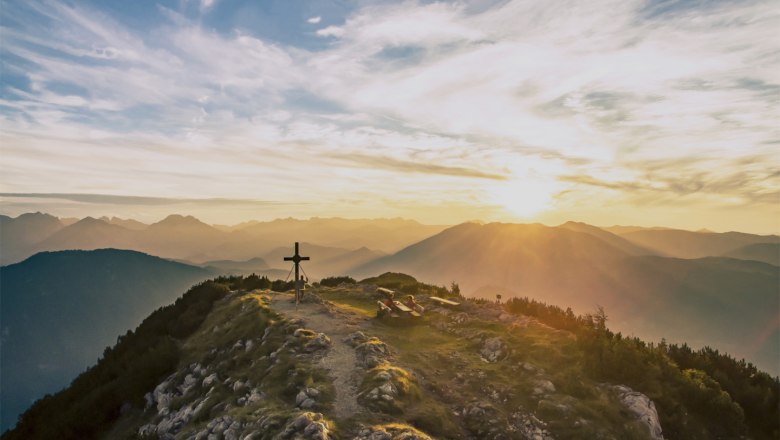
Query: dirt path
[{"x": 340, "y": 359}]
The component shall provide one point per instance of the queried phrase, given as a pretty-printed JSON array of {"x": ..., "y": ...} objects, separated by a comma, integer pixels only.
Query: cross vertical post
[{"x": 296, "y": 259}]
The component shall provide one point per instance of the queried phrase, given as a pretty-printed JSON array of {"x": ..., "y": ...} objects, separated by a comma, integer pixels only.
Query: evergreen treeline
[
  {"x": 335, "y": 281},
  {"x": 135, "y": 365},
  {"x": 699, "y": 394}
]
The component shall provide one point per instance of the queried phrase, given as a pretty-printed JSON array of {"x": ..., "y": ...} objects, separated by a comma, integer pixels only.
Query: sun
[{"x": 522, "y": 197}]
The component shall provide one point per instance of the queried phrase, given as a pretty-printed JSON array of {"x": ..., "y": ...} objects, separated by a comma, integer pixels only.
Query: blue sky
[{"x": 608, "y": 111}]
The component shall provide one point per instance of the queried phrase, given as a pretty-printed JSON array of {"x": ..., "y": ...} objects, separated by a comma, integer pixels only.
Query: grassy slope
[{"x": 452, "y": 374}]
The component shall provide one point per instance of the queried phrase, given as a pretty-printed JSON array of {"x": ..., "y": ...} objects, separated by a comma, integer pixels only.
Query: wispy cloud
[
  {"x": 111, "y": 199},
  {"x": 588, "y": 100},
  {"x": 408, "y": 166}
]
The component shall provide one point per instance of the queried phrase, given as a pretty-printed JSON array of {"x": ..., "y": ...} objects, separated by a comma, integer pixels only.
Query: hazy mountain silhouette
[
  {"x": 253, "y": 265},
  {"x": 61, "y": 309},
  {"x": 187, "y": 238},
  {"x": 766, "y": 252},
  {"x": 127, "y": 223},
  {"x": 325, "y": 260},
  {"x": 688, "y": 244},
  {"x": 620, "y": 230},
  {"x": 19, "y": 235},
  {"x": 386, "y": 235},
  {"x": 606, "y": 236},
  {"x": 87, "y": 234},
  {"x": 728, "y": 303}
]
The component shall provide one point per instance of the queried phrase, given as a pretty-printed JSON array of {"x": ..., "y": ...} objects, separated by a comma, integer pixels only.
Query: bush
[{"x": 335, "y": 281}]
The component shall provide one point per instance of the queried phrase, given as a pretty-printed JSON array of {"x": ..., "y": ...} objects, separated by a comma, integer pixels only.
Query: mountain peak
[{"x": 178, "y": 221}]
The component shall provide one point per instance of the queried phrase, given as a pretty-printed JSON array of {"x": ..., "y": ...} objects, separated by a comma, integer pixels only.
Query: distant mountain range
[
  {"x": 61, "y": 309},
  {"x": 706, "y": 288},
  {"x": 187, "y": 238},
  {"x": 728, "y": 303}
]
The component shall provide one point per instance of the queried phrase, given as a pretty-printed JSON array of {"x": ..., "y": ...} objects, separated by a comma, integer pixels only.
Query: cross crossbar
[{"x": 296, "y": 259}]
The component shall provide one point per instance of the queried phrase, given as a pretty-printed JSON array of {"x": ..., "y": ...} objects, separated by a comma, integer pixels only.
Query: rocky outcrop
[
  {"x": 542, "y": 387},
  {"x": 307, "y": 398},
  {"x": 371, "y": 353},
  {"x": 642, "y": 407},
  {"x": 308, "y": 425},
  {"x": 391, "y": 432},
  {"x": 493, "y": 350},
  {"x": 313, "y": 341},
  {"x": 385, "y": 388}
]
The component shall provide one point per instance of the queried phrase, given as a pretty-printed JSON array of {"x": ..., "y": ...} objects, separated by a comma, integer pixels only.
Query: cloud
[
  {"x": 331, "y": 31},
  {"x": 408, "y": 166},
  {"x": 111, "y": 199},
  {"x": 543, "y": 91}
]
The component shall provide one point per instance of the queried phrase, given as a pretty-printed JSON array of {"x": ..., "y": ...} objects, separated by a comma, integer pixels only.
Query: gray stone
[
  {"x": 492, "y": 350},
  {"x": 543, "y": 386},
  {"x": 642, "y": 407},
  {"x": 307, "y": 404}
]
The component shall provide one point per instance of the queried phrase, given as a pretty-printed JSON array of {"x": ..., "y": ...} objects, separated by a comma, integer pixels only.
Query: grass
[
  {"x": 587, "y": 409},
  {"x": 437, "y": 373}
]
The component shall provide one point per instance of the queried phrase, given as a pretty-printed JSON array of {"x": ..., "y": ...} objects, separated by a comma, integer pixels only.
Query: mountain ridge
[
  {"x": 254, "y": 363},
  {"x": 61, "y": 309}
]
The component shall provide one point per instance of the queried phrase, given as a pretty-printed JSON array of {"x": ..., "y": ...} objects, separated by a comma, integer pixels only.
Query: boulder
[
  {"x": 355, "y": 339},
  {"x": 642, "y": 407},
  {"x": 320, "y": 342},
  {"x": 394, "y": 431},
  {"x": 372, "y": 352},
  {"x": 210, "y": 380},
  {"x": 307, "y": 425},
  {"x": 543, "y": 386},
  {"x": 307, "y": 398},
  {"x": 493, "y": 350}
]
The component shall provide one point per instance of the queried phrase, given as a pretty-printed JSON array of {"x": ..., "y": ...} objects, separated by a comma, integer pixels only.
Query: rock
[
  {"x": 543, "y": 386},
  {"x": 492, "y": 350},
  {"x": 527, "y": 366},
  {"x": 530, "y": 427},
  {"x": 147, "y": 430},
  {"x": 307, "y": 404},
  {"x": 319, "y": 342},
  {"x": 239, "y": 385},
  {"x": 197, "y": 368},
  {"x": 372, "y": 352},
  {"x": 306, "y": 398},
  {"x": 309, "y": 426},
  {"x": 248, "y": 346},
  {"x": 642, "y": 407},
  {"x": 188, "y": 384},
  {"x": 390, "y": 432},
  {"x": 254, "y": 396},
  {"x": 460, "y": 318},
  {"x": 163, "y": 402},
  {"x": 355, "y": 339},
  {"x": 210, "y": 380}
]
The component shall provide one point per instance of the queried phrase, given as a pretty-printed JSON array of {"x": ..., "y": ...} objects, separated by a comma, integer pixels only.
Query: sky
[{"x": 609, "y": 112}]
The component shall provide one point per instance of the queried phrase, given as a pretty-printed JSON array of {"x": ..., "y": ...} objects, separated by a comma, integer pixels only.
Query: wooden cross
[{"x": 296, "y": 259}]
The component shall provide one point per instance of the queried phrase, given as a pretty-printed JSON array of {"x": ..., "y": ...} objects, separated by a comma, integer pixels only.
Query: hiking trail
[{"x": 340, "y": 360}]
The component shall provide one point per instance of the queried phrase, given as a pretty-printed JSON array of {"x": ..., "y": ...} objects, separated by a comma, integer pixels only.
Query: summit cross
[{"x": 296, "y": 259}]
